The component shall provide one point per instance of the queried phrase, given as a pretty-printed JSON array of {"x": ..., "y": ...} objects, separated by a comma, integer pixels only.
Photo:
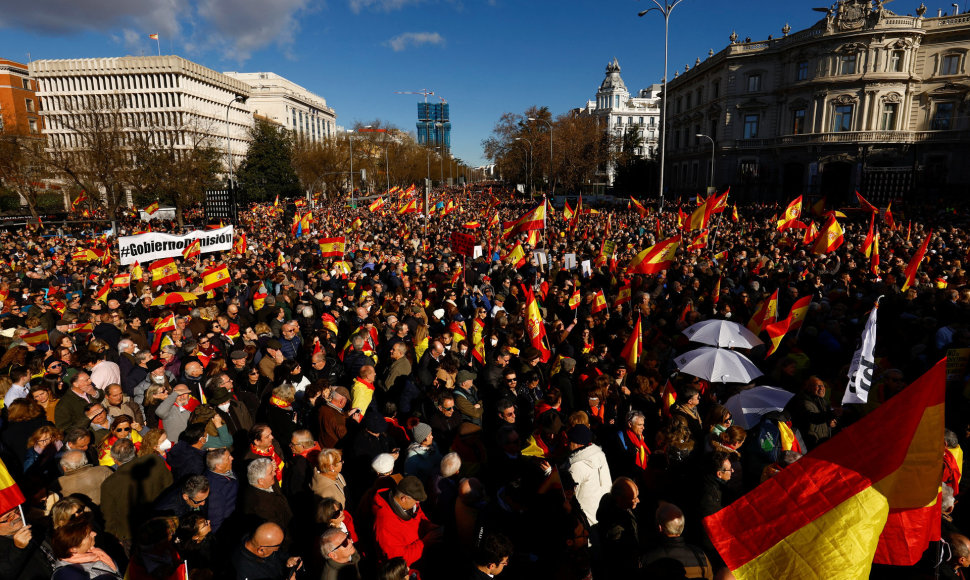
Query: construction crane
[{"x": 424, "y": 92}]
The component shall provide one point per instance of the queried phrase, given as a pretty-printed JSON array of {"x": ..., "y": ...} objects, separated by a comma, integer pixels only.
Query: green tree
[{"x": 268, "y": 170}]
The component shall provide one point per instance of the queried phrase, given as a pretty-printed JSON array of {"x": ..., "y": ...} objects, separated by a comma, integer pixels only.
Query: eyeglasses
[
  {"x": 347, "y": 541},
  {"x": 512, "y": 380},
  {"x": 448, "y": 409},
  {"x": 123, "y": 430}
]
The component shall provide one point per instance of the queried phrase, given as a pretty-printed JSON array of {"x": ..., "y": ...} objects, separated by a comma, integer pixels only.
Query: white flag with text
[{"x": 863, "y": 364}]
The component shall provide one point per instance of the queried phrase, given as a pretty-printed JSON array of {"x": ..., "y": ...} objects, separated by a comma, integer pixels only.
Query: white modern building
[
  {"x": 169, "y": 99},
  {"x": 287, "y": 103},
  {"x": 622, "y": 113}
]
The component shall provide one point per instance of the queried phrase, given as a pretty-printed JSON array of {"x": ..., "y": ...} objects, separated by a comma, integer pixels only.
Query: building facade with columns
[
  {"x": 620, "y": 113},
  {"x": 169, "y": 100},
  {"x": 282, "y": 101},
  {"x": 864, "y": 100}
]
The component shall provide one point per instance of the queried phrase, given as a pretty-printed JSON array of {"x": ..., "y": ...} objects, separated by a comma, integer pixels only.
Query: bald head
[
  {"x": 960, "y": 545},
  {"x": 266, "y": 540},
  {"x": 670, "y": 519},
  {"x": 625, "y": 492},
  {"x": 193, "y": 369}
]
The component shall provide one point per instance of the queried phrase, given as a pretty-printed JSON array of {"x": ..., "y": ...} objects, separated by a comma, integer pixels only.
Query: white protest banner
[
  {"x": 863, "y": 364},
  {"x": 150, "y": 246}
]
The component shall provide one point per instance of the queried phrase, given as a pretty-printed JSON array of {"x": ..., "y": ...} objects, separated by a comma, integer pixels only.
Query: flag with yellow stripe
[{"x": 870, "y": 494}]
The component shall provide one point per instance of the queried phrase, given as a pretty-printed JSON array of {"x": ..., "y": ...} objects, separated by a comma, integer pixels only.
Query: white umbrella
[
  {"x": 749, "y": 405},
  {"x": 718, "y": 365},
  {"x": 723, "y": 333}
]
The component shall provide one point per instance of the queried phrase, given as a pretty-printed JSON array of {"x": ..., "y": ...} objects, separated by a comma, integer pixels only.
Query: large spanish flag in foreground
[
  {"x": 534, "y": 219},
  {"x": 867, "y": 495}
]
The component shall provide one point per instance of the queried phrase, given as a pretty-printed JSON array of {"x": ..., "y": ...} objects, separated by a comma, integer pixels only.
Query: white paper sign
[
  {"x": 586, "y": 268},
  {"x": 569, "y": 261},
  {"x": 476, "y": 252}
]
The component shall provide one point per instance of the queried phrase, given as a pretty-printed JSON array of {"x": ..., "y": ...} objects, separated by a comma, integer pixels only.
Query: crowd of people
[{"x": 386, "y": 413}]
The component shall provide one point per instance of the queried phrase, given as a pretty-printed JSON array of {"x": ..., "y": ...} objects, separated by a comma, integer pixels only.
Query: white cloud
[
  {"x": 412, "y": 39},
  {"x": 380, "y": 5},
  {"x": 235, "y": 28}
]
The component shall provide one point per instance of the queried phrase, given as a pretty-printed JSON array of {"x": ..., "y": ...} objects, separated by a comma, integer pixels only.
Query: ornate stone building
[
  {"x": 620, "y": 113},
  {"x": 865, "y": 99},
  {"x": 290, "y": 105}
]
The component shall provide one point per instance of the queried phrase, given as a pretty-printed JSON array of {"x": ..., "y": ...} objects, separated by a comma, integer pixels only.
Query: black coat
[
  {"x": 266, "y": 506},
  {"x": 223, "y": 492},
  {"x": 31, "y": 563},
  {"x": 185, "y": 460}
]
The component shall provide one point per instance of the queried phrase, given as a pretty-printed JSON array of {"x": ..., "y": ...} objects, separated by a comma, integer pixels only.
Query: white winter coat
[{"x": 588, "y": 468}]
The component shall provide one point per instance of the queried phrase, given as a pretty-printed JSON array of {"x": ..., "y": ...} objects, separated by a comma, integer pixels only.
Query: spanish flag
[
  {"x": 493, "y": 221},
  {"x": 700, "y": 242},
  {"x": 192, "y": 250},
  {"x": 457, "y": 331},
  {"x": 624, "y": 295},
  {"x": 80, "y": 199},
  {"x": 568, "y": 212},
  {"x": 355, "y": 224},
  {"x": 656, "y": 258},
  {"x": 121, "y": 280},
  {"x": 867, "y": 243},
  {"x": 810, "y": 234},
  {"x": 599, "y": 302},
  {"x": 137, "y": 272},
  {"x": 818, "y": 209},
  {"x": 720, "y": 202},
  {"x": 473, "y": 225},
  {"x": 870, "y": 494},
  {"x": 102, "y": 293},
  {"x": 535, "y": 328},
  {"x": 164, "y": 271},
  {"x": 215, "y": 277},
  {"x": 86, "y": 328},
  {"x": 516, "y": 255},
  {"x": 10, "y": 494},
  {"x": 152, "y": 208},
  {"x": 799, "y": 310},
  {"x": 776, "y": 332},
  {"x": 913, "y": 266},
  {"x": 633, "y": 347},
  {"x": 36, "y": 336},
  {"x": 639, "y": 207},
  {"x": 259, "y": 298},
  {"x": 411, "y": 207},
  {"x": 332, "y": 247},
  {"x": 734, "y": 214},
  {"x": 863, "y": 204},
  {"x": 330, "y": 323},
  {"x": 874, "y": 259},
  {"x": 574, "y": 300},
  {"x": 377, "y": 204},
  {"x": 534, "y": 219},
  {"x": 830, "y": 238},
  {"x": 766, "y": 313},
  {"x": 887, "y": 216},
  {"x": 792, "y": 213},
  {"x": 699, "y": 218},
  {"x": 239, "y": 246}
]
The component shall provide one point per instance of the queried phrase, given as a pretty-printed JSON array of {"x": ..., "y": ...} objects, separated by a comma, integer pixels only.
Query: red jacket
[{"x": 397, "y": 537}]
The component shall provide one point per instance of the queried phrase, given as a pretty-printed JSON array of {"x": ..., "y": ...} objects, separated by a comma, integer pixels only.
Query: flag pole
[{"x": 158, "y": 44}]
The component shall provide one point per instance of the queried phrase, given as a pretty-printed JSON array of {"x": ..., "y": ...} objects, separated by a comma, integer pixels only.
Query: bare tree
[{"x": 24, "y": 168}]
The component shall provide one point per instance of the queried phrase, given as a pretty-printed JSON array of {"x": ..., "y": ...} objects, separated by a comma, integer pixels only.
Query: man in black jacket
[
  {"x": 22, "y": 556},
  {"x": 670, "y": 521},
  {"x": 619, "y": 529}
]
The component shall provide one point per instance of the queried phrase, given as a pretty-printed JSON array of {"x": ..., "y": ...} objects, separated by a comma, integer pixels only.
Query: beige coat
[
  {"x": 324, "y": 487},
  {"x": 85, "y": 481}
]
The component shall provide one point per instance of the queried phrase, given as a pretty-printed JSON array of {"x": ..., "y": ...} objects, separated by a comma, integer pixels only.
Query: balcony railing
[{"x": 847, "y": 137}]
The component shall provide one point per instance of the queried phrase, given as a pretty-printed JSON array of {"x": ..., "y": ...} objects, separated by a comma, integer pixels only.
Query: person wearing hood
[
  {"x": 589, "y": 470},
  {"x": 422, "y": 457}
]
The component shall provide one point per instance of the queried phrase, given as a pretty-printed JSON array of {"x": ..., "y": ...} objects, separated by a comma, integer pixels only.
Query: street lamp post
[
  {"x": 711, "y": 139},
  {"x": 351, "y": 139},
  {"x": 666, "y": 8},
  {"x": 551, "y": 182},
  {"x": 236, "y": 99},
  {"x": 528, "y": 173}
]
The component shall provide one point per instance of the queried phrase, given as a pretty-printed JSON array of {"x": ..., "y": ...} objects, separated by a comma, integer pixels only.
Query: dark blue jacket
[
  {"x": 185, "y": 460},
  {"x": 223, "y": 490}
]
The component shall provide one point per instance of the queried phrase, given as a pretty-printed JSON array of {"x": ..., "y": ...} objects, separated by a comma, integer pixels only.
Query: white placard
[
  {"x": 569, "y": 261},
  {"x": 476, "y": 252},
  {"x": 540, "y": 257},
  {"x": 150, "y": 246},
  {"x": 586, "y": 268}
]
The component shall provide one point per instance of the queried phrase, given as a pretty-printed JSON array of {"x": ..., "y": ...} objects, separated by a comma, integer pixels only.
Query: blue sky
[{"x": 486, "y": 57}]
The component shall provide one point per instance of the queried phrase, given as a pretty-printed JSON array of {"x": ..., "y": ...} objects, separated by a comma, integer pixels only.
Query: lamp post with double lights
[
  {"x": 711, "y": 139},
  {"x": 666, "y": 8}
]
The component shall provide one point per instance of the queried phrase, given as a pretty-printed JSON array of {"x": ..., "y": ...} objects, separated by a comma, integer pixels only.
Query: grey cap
[{"x": 421, "y": 432}]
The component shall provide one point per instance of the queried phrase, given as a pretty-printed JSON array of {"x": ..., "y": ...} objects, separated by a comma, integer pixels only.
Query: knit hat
[
  {"x": 412, "y": 487},
  {"x": 580, "y": 435},
  {"x": 383, "y": 463},
  {"x": 568, "y": 364},
  {"x": 421, "y": 432}
]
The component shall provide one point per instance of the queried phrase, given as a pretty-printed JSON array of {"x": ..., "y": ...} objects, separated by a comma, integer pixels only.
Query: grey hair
[
  {"x": 195, "y": 485},
  {"x": 633, "y": 415},
  {"x": 951, "y": 439},
  {"x": 142, "y": 356},
  {"x": 258, "y": 469},
  {"x": 450, "y": 464},
  {"x": 670, "y": 518},
  {"x": 125, "y": 344},
  {"x": 948, "y": 500},
  {"x": 170, "y": 349},
  {"x": 123, "y": 451},
  {"x": 328, "y": 541},
  {"x": 215, "y": 457},
  {"x": 73, "y": 460}
]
